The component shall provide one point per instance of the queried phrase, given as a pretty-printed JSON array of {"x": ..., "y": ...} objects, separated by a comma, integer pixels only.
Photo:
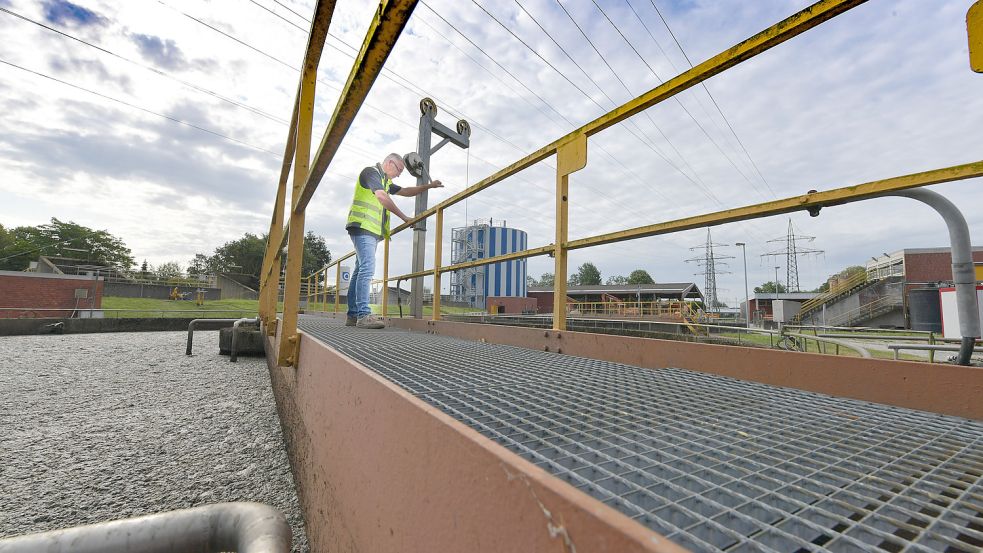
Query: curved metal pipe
[
  {"x": 194, "y": 323},
  {"x": 963, "y": 272},
  {"x": 242, "y": 527},
  {"x": 859, "y": 349},
  {"x": 235, "y": 335}
]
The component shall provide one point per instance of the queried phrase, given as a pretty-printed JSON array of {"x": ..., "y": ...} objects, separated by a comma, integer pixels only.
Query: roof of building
[{"x": 794, "y": 296}]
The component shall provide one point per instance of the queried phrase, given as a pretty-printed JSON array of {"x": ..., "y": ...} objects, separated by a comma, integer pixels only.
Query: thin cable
[
  {"x": 145, "y": 110},
  {"x": 678, "y": 101},
  {"x": 257, "y": 111},
  {"x": 706, "y": 188},
  {"x": 712, "y": 99}
]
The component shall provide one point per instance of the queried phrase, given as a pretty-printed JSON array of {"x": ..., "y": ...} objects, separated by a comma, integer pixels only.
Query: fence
[{"x": 571, "y": 156}]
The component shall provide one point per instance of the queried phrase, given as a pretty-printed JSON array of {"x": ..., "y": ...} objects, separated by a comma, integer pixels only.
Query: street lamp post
[
  {"x": 776, "y": 294},
  {"x": 747, "y": 301}
]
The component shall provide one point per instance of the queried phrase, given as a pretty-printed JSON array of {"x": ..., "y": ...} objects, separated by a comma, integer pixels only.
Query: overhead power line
[
  {"x": 678, "y": 101},
  {"x": 703, "y": 84},
  {"x": 145, "y": 110},
  {"x": 193, "y": 86}
]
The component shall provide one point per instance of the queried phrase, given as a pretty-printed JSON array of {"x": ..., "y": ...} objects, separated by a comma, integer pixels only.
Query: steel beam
[
  {"x": 380, "y": 39},
  {"x": 570, "y": 157},
  {"x": 290, "y": 341},
  {"x": 772, "y": 36},
  {"x": 323, "y": 12},
  {"x": 796, "y": 203},
  {"x": 974, "y": 28}
]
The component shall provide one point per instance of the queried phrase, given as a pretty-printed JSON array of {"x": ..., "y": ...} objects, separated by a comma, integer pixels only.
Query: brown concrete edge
[
  {"x": 378, "y": 469},
  {"x": 938, "y": 388}
]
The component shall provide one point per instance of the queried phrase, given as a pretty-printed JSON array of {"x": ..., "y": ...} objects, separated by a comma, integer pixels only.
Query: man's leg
[
  {"x": 352, "y": 311},
  {"x": 365, "y": 247}
]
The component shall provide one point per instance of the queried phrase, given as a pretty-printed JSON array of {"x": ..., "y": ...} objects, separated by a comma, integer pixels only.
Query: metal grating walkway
[{"x": 713, "y": 463}]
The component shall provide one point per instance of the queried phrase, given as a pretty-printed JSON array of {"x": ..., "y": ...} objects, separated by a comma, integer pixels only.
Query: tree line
[
  {"x": 21, "y": 245},
  {"x": 589, "y": 275}
]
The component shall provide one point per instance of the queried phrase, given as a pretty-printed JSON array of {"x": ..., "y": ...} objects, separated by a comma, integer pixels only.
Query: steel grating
[{"x": 713, "y": 463}]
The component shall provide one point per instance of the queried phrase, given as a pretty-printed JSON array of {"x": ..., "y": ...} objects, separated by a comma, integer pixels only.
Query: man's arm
[
  {"x": 411, "y": 191},
  {"x": 391, "y": 206}
]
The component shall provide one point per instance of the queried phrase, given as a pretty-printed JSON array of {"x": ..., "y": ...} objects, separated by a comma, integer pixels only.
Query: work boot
[
  {"x": 370, "y": 321},
  {"x": 351, "y": 320}
]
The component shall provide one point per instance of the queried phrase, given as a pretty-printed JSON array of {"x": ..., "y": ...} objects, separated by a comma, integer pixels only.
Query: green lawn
[
  {"x": 226, "y": 309},
  {"x": 148, "y": 307}
]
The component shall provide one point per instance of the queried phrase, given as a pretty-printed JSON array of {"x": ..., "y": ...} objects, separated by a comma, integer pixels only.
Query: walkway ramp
[{"x": 712, "y": 463}]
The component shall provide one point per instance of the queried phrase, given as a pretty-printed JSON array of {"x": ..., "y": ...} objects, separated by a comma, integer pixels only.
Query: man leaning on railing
[{"x": 368, "y": 223}]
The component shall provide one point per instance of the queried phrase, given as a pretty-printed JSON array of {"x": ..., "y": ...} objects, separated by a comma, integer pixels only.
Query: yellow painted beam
[
  {"x": 828, "y": 198},
  {"x": 386, "y": 26},
  {"x": 524, "y": 254},
  {"x": 974, "y": 28},
  {"x": 289, "y": 339},
  {"x": 778, "y": 33},
  {"x": 385, "y": 277},
  {"x": 570, "y": 157},
  {"x": 437, "y": 252},
  {"x": 276, "y": 240}
]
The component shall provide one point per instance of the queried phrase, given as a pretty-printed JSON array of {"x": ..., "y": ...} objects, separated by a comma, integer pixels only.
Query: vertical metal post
[
  {"x": 337, "y": 287},
  {"x": 438, "y": 242},
  {"x": 974, "y": 31},
  {"x": 570, "y": 157},
  {"x": 289, "y": 340},
  {"x": 428, "y": 111},
  {"x": 385, "y": 277},
  {"x": 747, "y": 299}
]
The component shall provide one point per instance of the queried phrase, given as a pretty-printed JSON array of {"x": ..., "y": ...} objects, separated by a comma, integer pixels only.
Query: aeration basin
[{"x": 386, "y": 435}]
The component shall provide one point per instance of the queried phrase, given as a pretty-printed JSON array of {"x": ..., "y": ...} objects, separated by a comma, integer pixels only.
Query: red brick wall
[
  {"x": 32, "y": 291},
  {"x": 544, "y": 301},
  {"x": 510, "y": 304},
  {"x": 930, "y": 267}
]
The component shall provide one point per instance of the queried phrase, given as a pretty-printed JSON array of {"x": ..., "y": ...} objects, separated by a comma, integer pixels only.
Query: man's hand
[{"x": 435, "y": 184}]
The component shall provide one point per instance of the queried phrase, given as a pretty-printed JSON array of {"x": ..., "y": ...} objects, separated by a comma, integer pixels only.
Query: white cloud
[{"x": 880, "y": 91}]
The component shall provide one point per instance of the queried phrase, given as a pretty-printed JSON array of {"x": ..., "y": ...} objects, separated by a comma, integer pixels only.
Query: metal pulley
[
  {"x": 428, "y": 106},
  {"x": 414, "y": 164},
  {"x": 463, "y": 128}
]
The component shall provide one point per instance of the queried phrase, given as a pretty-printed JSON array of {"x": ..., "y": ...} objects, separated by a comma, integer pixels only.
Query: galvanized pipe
[
  {"x": 235, "y": 335},
  {"x": 191, "y": 329},
  {"x": 242, "y": 527},
  {"x": 963, "y": 272}
]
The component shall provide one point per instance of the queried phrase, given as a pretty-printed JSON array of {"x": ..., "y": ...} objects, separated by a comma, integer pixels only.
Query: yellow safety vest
[{"x": 367, "y": 212}]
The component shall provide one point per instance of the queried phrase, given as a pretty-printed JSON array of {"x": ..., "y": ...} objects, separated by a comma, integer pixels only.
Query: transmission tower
[
  {"x": 791, "y": 252},
  {"x": 712, "y": 266}
]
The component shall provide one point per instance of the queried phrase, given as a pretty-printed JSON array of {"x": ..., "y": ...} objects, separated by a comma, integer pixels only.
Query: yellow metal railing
[{"x": 571, "y": 156}]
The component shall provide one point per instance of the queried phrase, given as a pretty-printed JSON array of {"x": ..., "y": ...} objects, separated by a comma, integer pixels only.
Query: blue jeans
[{"x": 361, "y": 281}]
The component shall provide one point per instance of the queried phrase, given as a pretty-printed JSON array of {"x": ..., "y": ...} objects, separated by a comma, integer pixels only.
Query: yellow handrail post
[
  {"x": 438, "y": 240},
  {"x": 570, "y": 157},
  {"x": 289, "y": 340},
  {"x": 974, "y": 28},
  {"x": 337, "y": 287},
  {"x": 385, "y": 277}
]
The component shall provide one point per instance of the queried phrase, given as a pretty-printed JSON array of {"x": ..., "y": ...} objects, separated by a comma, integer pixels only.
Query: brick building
[
  {"x": 919, "y": 266},
  {"x": 41, "y": 295}
]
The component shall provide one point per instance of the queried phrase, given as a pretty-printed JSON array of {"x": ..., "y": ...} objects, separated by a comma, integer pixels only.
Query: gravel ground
[{"x": 97, "y": 427}]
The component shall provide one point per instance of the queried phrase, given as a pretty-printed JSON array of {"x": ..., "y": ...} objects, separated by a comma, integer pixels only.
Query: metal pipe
[
  {"x": 963, "y": 272},
  {"x": 863, "y": 352},
  {"x": 242, "y": 527},
  {"x": 235, "y": 335},
  {"x": 191, "y": 329}
]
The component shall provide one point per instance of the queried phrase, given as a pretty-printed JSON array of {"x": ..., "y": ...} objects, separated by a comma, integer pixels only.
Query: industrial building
[{"x": 481, "y": 240}]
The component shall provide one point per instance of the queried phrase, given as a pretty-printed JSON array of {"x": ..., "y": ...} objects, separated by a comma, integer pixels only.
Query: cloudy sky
[{"x": 163, "y": 122}]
